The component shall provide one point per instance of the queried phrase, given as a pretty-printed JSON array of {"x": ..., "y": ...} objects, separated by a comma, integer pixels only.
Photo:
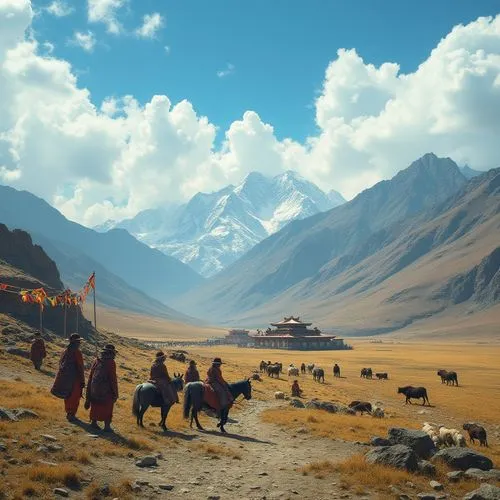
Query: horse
[
  {"x": 382, "y": 376},
  {"x": 318, "y": 375},
  {"x": 336, "y": 370},
  {"x": 293, "y": 371},
  {"x": 303, "y": 368},
  {"x": 448, "y": 377},
  {"x": 194, "y": 401},
  {"x": 366, "y": 373},
  {"x": 147, "y": 395},
  {"x": 414, "y": 393},
  {"x": 310, "y": 367},
  {"x": 262, "y": 366},
  {"x": 273, "y": 370}
]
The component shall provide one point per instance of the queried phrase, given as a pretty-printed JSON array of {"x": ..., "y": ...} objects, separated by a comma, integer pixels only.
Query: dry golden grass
[
  {"x": 123, "y": 491},
  {"x": 63, "y": 474},
  {"x": 216, "y": 451}
]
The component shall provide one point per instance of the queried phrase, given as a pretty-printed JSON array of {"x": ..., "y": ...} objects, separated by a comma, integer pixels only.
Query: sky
[{"x": 116, "y": 106}]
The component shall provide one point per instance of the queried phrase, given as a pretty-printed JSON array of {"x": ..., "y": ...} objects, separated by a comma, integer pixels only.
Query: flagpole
[
  {"x": 41, "y": 319},
  {"x": 65, "y": 309}
]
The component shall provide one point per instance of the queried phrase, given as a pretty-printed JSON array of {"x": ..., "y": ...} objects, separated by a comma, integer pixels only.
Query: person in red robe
[
  {"x": 216, "y": 381},
  {"x": 296, "y": 390},
  {"x": 192, "y": 374},
  {"x": 70, "y": 378},
  {"x": 102, "y": 389},
  {"x": 37, "y": 351},
  {"x": 160, "y": 377}
]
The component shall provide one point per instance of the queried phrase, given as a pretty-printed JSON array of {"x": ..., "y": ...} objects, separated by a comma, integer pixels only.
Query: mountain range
[
  {"x": 213, "y": 230},
  {"x": 399, "y": 251}
]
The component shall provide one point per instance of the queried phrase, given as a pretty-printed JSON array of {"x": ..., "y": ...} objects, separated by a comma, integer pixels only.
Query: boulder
[
  {"x": 313, "y": 405},
  {"x": 426, "y": 468},
  {"x": 398, "y": 456},
  {"x": 378, "y": 413},
  {"x": 418, "y": 441},
  {"x": 16, "y": 351},
  {"x": 463, "y": 459},
  {"x": 25, "y": 413},
  {"x": 426, "y": 496},
  {"x": 378, "y": 441},
  {"x": 148, "y": 461},
  {"x": 6, "y": 414},
  {"x": 455, "y": 476},
  {"x": 61, "y": 492},
  {"x": 296, "y": 403},
  {"x": 436, "y": 486},
  {"x": 483, "y": 475},
  {"x": 484, "y": 492}
]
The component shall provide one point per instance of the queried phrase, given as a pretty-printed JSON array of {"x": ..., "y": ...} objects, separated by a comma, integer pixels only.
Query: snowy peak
[{"x": 212, "y": 230}]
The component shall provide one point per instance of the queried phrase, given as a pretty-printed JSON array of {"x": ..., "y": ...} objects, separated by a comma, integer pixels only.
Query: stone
[
  {"x": 3, "y": 447},
  {"x": 463, "y": 459},
  {"x": 213, "y": 497},
  {"x": 25, "y": 413},
  {"x": 46, "y": 462},
  {"x": 93, "y": 436},
  {"x": 48, "y": 437},
  {"x": 418, "y": 441},
  {"x": 426, "y": 468},
  {"x": 378, "y": 441},
  {"x": 6, "y": 414},
  {"x": 148, "y": 461},
  {"x": 398, "y": 456},
  {"x": 378, "y": 413},
  {"x": 426, "y": 496},
  {"x": 61, "y": 492},
  {"x": 54, "y": 447},
  {"x": 136, "y": 488},
  {"x": 42, "y": 449},
  {"x": 484, "y": 492},
  {"x": 297, "y": 403},
  {"x": 12, "y": 461},
  {"x": 141, "y": 482},
  {"x": 404, "y": 496},
  {"x": 436, "y": 486},
  {"x": 166, "y": 487},
  {"x": 483, "y": 475},
  {"x": 454, "y": 476},
  {"x": 16, "y": 351}
]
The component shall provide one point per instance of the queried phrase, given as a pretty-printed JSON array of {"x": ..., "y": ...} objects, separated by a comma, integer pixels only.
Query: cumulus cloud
[
  {"x": 228, "y": 70},
  {"x": 96, "y": 161},
  {"x": 151, "y": 23},
  {"x": 106, "y": 12},
  {"x": 59, "y": 8},
  {"x": 86, "y": 41}
]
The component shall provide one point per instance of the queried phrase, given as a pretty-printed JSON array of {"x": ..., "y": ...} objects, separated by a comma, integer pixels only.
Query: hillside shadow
[
  {"x": 236, "y": 437},
  {"x": 176, "y": 434}
]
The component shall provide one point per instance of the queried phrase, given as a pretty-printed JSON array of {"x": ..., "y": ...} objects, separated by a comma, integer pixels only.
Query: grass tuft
[{"x": 62, "y": 474}]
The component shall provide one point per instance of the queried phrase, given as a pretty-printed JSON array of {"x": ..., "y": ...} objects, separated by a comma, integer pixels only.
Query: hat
[
  {"x": 37, "y": 334},
  {"x": 217, "y": 361},
  {"x": 160, "y": 354},
  {"x": 110, "y": 347},
  {"x": 192, "y": 362},
  {"x": 74, "y": 337}
]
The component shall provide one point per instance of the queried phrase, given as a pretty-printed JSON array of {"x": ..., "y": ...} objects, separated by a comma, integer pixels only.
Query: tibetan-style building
[
  {"x": 293, "y": 334},
  {"x": 238, "y": 337}
]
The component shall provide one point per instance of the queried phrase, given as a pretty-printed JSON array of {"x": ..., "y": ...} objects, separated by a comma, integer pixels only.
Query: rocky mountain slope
[
  {"x": 323, "y": 246},
  {"x": 137, "y": 265},
  {"x": 212, "y": 230}
]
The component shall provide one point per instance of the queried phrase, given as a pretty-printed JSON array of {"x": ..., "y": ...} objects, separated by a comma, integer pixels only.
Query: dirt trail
[{"x": 270, "y": 457}]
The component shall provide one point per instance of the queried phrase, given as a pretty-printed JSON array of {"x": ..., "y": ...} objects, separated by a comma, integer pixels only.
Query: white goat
[{"x": 279, "y": 395}]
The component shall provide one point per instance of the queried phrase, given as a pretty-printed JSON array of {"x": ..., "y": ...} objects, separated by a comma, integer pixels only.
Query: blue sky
[{"x": 279, "y": 48}]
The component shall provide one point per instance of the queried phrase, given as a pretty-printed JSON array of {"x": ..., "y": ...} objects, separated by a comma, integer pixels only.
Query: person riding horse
[
  {"x": 216, "y": 381},
  {"x": 160, "y": 377},
  {"x": 191, "y": 374}
]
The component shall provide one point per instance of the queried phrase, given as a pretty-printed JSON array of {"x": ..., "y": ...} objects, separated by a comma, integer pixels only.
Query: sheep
[
  {"x": 431, "y": 430},
  {"x": 279, "y": 395},
  {"x": 451, "y": 437}
]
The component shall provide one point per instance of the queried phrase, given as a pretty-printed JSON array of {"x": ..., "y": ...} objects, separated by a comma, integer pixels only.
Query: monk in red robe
[
  {"x": 160, "y": 377},
  {"x": 216, "y": 381},
  {"x": 70, "y": 378},
  {"x": 102, "y": 389},
  {"x": 296, "y": 390},
  {"x": 37, "y": 352},
  {"x": 191, "y": 374}
]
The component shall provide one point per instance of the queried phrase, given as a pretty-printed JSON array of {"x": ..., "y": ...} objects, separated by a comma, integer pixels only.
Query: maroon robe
[
  {"x": 218, "y": 385},
  {"x": 37, "y": 352},
  {"x": 160, "y": 377},
  {"x": 102, "y": 388},
  {"x": 191, "y": 375}
]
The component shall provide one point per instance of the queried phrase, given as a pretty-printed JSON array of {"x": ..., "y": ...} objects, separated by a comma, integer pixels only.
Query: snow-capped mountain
[{"x": 212, "y": 230}]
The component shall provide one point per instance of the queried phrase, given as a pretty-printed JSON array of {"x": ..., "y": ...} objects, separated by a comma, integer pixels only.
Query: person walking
[{"x": 37, "y": 351}]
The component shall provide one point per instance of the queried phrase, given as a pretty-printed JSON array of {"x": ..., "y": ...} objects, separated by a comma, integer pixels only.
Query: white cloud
[
  {"x": 112, "y": 160},
  {"x": 151, "y": 23},
  {"x": 59, "y": 8},
  {"x": 49, "y": 47},
  {"x": 86, "y": 41},
  {"x": 106, "y": 12},
  {"x": 167, "y": 49},
  {"x": 228, "y": 70}
]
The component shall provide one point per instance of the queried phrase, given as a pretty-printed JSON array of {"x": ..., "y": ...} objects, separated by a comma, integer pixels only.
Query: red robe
[
  {"x": 37, "y": 352},
  {"x": 70, "y": 379},
  {"x": 102, "y": 389},
  {"x": 296, "y": 391},
  {"x": 217, "y": 387},
  {"x": 160, "y": 377},
  {"x": 191, "y": 375}
]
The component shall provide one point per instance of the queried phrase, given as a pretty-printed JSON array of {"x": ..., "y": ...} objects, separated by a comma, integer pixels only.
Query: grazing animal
[
  {"x": 303, "y": 368},
  {"x": 178, "y": 356},
  {"x": 414, "y": 393},
  {"x": 366, "y": 373},
  {"x": 293, "y": 371},
  {"x": 273, "y": 370},
  {"x": 432, "y": 430},
  {"x": 318, "y": 375},
  {"x": 279, "y": 395},
  {"x": 310, "y": 367},
  {"x": 336, "y": 370},
  {"x": 476, "y": 431},
  {"x": 147, "y": 394},
  {"x": 382, "y": 376},
  {"x": 448, "y": 377},
  {"x": 451, "y": 437},
  {"x": 361, "y": 406},
  {"x": 263, "y": 366},
  {"x": 194, "y": 401},
  {"x": 280, "y": 366}
]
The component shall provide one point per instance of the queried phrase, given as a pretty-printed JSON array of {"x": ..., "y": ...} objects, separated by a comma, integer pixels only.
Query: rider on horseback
[
  {"x": 216, "y": 381},
  {"x": 160, "y": 377}
]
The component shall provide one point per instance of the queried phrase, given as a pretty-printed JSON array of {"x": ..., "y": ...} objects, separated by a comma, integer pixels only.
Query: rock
[
  {"x": 313, "y": 405},
  {"x": 436, "y": 486},
  {"x": 16, "y": 351},
  {"x": 454, "y": 476},
  {"x": 404, "y": 496},
  {"x": 141, "y": 482},
  {"x": 45, "y": 462},
  {"x": 398, "y": 456},
  {"x": 378, "y": 413},
  {"x": 6, "y": 414},
  {"x": 104, "y": 490},
  {"x": 136, "y": 488},
  {"x": 483, "y": 475},
  {"x": 213, "y": 497},
  {"x": 426, "y": 468},
  {"x": 463, "y": 459},
  {"x": 61, "y": 492},
  {"x": 54, "y": 447},
  {"x": 148, "y": 461},
  {"x": 418, "y": 441},
  {"x": 93, "y": 436},
  {"x": 25, "y": 413},
  {"x": 297, "y": 403},
  {"x": 378, "y": 441},
  {"x": 484, "y": 492},
  {"x": 410, "y": 484},
  {"x": 426, "y": 496},
  {"x": 42, "y": 449},
  {"x": 166, "y": 487},
  {"x": 3, "y": 447},
  {"x": 12, "y": 461},
  {"x": 48, "y": 437},
  {"x": 423, "y": 412}
]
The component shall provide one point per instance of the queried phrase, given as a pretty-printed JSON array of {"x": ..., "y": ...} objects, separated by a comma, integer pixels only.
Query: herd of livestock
[{"x": 440, "y": 435}]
